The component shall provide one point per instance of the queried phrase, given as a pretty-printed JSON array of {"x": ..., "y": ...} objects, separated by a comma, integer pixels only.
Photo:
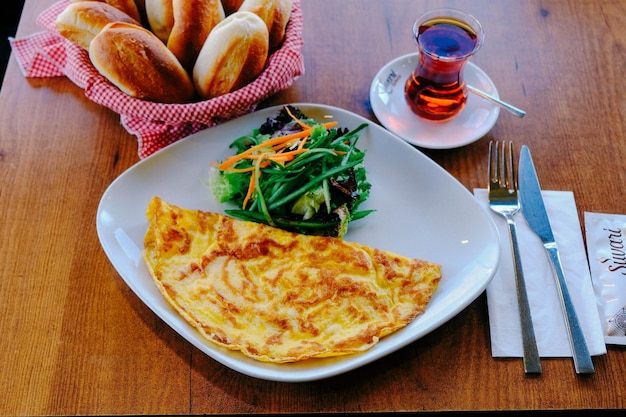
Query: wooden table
[{"x": 76, "y": 340}]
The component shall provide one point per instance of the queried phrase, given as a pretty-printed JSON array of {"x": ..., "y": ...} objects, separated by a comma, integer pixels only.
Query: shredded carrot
[
  {"x": 268, "y": 143},
  {"x": 281, "y": 146},
  {"x": 302, "y": 142},
  {"x": 286, "y": 139},
  {"x": 288, "y": 153},
  {"x": 250, "y": 191},
  {"x": 286, "y": 156},
  {"x": 329, "y": 125},
  {"x": 249, "y": 169},
  {"x": 303, "y": 125}
]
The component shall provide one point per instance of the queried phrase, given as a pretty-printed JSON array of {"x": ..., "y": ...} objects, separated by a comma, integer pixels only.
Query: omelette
[{"x": 279, "y": 296}]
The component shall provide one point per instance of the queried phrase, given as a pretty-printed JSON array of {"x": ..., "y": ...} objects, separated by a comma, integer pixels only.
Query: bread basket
[{"x": 157, "y": 125}]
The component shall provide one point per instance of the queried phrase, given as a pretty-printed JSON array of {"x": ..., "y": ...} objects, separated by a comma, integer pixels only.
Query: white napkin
[{"x": 548, "y": 321}]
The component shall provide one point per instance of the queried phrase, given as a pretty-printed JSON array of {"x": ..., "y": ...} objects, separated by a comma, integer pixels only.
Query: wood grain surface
[{"x": 76, "y": 340}]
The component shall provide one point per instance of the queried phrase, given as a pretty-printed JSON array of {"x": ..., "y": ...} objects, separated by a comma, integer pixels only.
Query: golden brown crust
[
  {"x": 80, "y": 22},
  {"x": 127, "y": 6},
  {"x": 139, "y": 64},
  {"x": 193, "y": 21},
  {"x": 281, "y": 19},
  {"x": 278, "y": 296},
  {"x": 232, "y": 56},
  {"x": 160, "y": 16},
  {"x": 275, "y": 14}
]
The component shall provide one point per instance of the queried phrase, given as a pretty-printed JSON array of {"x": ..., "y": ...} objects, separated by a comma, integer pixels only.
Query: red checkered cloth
[{"x": 156, "y": 125}]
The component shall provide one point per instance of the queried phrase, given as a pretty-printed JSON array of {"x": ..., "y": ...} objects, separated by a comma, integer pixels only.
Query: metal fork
[{"x": 503, "y": 200}]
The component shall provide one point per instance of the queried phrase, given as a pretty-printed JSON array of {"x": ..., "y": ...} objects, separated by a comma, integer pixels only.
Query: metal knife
[{"x": 534, "y": 211}]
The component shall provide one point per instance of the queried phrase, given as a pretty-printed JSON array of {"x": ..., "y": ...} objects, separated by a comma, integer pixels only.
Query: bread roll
[
  {"x": 139, "y": 64},
  {"x": 193, "y": 20},
  {"x": 275, "y": 14},
  {"x": 127, "y": 6},
  {"x": 80, "y": 22},
  {"x": 231, "y": 6},
  {"x": 233, "y": 55},
  {"x": 160, "y": 16}
]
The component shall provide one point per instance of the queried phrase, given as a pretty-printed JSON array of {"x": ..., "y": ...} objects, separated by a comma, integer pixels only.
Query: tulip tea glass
[{"x": 446, "y": 39}]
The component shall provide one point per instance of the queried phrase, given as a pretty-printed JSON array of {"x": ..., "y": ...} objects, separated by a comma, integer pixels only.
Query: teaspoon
[{"x": 509, "y": 107}]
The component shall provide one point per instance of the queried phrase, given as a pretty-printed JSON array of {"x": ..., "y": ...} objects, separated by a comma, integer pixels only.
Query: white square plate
[{"x": 421, "y": 211}]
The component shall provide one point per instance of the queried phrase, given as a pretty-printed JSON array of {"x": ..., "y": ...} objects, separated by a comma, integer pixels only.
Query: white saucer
[{"x": 391, "y": 109}]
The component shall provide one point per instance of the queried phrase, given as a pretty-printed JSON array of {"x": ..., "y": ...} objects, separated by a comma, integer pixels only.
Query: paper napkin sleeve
[{"x": 548, "y": 321}]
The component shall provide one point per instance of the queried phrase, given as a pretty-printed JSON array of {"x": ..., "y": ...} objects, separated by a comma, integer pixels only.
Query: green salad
[{"x": 295, "y": 173}]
